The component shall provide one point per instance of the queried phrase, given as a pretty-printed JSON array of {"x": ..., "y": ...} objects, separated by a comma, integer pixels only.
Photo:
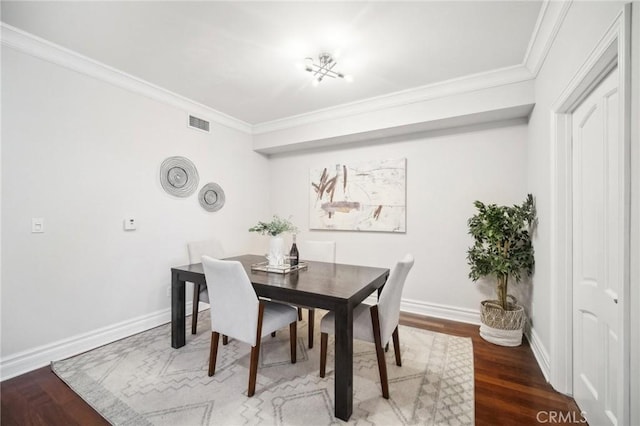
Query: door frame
[{"x": 612, "y": 50}]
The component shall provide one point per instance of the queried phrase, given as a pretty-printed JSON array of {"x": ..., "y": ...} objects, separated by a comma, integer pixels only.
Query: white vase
[{"x": 276, "y": 251}]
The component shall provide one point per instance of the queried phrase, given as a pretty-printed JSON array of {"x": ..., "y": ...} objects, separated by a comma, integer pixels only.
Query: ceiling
[{"x": 240, "y": 58}]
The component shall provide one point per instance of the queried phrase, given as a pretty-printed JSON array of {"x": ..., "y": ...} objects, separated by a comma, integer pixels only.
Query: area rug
[{"x": 141, "y": 380}]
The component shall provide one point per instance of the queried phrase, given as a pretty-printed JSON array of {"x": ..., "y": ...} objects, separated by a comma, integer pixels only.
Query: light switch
[
  {"x": 130, "y": 224},
  {"x": 37, "y": 225}
]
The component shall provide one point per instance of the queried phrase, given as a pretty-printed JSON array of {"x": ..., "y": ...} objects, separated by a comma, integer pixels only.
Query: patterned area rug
[{"x": 141, "y": 380}]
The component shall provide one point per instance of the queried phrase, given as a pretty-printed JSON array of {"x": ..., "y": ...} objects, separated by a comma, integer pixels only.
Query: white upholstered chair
[
  {"x": 237, "y": 312},
  {"x": 318, "y": 251},
  {"x": 376, "y": 324},
  {"x": 196, "y": 250}
]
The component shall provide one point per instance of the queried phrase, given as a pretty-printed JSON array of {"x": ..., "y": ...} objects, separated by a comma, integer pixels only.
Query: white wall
[
  {"x": 584, "y": 25},
  {"x": 84, "y": 155},
  {"x": 446, "y": 172}
]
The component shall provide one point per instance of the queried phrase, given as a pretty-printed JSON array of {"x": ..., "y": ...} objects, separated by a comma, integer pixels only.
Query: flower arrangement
[{"x": 276, "y": 227}]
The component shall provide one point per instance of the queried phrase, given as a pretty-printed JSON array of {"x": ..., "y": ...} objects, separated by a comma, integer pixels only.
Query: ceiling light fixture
[{"x": 324, "y": 68}]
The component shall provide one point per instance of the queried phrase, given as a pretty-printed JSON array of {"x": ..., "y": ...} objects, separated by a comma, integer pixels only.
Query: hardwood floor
[{"x": 509, "y": 388}]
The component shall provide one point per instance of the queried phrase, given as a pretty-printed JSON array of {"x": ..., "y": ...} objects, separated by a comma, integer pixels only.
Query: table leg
[
  {"x": 194, "y": 312},
  {"x": 178, "y": 308},
  {"x": 344, "y": 362}
]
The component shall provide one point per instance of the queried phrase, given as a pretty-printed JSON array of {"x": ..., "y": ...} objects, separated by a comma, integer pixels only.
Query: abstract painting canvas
[{"x": 359, "y": 196}]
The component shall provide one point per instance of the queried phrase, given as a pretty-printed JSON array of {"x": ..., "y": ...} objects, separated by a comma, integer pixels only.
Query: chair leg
[
  {"x": 213, "y": 354},
  {"x": 382, "y": 366},
  {"x": 311, "y": 322},
  {"x": 194, "y": 313},
  {"x": 299, "y": 314},
  {"x": 324, "y": 337},
  {"x": 225, "y": 339},
  {"x": 255, "y": 354},
  {"x": 293, "y": 338},
  {"x": 396, "y": 347}
]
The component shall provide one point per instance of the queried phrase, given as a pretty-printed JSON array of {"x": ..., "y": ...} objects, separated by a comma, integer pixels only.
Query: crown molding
[
  {"x": 550, "y": 18},
  {"x": 466, "y": 84},
  {"x": 40, "y": 48}
]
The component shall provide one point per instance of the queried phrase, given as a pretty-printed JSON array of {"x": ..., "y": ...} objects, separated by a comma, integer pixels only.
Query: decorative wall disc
[
  {"x": 211, "y": 197},
  {"x": 179, "y": 176}
]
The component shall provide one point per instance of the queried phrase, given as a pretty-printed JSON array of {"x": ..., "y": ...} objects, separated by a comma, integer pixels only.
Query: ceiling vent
[{"x": 198, "y": 123}]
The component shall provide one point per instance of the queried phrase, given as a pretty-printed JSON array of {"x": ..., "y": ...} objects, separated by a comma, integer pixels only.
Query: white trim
[
  {"x": 634, "y": 330},
  {"x": 452, "y": 313},
  {"x": 28, "y": 360},
  {"x": 466, "y": 84},
  {"x": 550, "y": 18},
  {"x": 40, "y": 48},
  {"x": 539, "y": 352},
  {"x": 611, "y": 50}
]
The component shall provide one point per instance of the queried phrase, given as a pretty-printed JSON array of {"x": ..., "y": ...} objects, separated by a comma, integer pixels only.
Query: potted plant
[
  {"x": 274, "y": 228},
  {"x": 502, "y": 250}
]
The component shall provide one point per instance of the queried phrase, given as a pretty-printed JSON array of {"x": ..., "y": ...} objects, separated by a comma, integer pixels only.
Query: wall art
[
  {"x": 211, "y": 197},
  {"x": 179, "y": 176},
  {"x": 359, "y": 196}
]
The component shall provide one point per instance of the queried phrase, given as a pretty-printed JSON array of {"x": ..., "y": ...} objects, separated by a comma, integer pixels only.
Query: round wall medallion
[
  {"x": 211, "y": 197},
  {"x": 179, "y": 176}
]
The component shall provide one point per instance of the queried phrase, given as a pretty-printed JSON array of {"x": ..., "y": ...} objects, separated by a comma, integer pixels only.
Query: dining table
[{"x": 331, "y": 286}]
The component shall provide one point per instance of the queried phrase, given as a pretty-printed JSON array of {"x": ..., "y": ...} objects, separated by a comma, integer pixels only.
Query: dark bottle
[{"x": 294, "y": 256}]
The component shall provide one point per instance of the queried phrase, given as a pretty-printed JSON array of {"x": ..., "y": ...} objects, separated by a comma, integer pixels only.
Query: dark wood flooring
[{"x": 509, "y": 388}]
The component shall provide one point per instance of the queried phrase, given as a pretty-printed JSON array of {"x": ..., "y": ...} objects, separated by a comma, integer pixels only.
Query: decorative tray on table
[{"x": 279, "y": 269}]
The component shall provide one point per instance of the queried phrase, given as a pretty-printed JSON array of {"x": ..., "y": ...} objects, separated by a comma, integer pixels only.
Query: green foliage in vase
[
  {"x": 276, "y": 227},
  {"x": 502, "y": 245}
]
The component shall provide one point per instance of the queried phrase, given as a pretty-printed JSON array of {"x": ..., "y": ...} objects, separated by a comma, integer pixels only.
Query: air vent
[{"x": 198, "y": 123}]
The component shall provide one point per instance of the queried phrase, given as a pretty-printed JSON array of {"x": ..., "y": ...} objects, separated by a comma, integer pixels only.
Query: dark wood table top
[{"x": 321, "y": 285}]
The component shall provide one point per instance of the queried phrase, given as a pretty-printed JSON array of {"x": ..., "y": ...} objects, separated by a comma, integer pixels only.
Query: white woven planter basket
[{"x": 502, "y": 327}]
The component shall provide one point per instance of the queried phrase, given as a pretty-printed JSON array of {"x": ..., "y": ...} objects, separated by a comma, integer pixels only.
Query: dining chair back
[
  {"x": 234, "y": 299},
  {"x": 196, "y": 250},
  {"x": 389, "y": 300},
  {"x": 376, "y": 324},
  {"x": 319, "y": 251},
  {"x": 237, "y": 312}
]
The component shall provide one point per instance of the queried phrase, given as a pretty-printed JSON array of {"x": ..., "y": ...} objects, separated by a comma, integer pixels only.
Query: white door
[{"x": 598, "y": 251}]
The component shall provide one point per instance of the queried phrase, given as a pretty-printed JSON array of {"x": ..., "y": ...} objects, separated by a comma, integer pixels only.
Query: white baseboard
[
  {"x": 452, "y": 313},
  {"x": 31, "y": 359},
  {"x": 539, "y": 352}
]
